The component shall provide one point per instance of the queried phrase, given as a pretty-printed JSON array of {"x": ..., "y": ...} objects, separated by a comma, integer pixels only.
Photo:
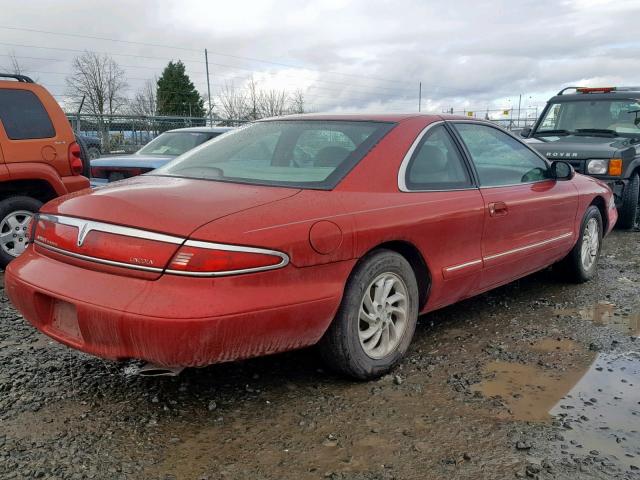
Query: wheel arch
[
  {"x": 417, "y": 262},
  {"x": 600, "y": 203},
  {"x": 36, "y": 188}
]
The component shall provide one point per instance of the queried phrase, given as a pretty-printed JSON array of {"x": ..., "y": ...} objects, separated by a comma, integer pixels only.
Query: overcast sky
[{"x": 344, "y": 55}]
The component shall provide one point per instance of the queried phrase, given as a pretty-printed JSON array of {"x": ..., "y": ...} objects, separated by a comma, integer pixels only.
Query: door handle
[{"x": 498, "y": 209}]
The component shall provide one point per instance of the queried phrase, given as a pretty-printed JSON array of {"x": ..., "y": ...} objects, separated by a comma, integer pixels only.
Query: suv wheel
[
  {"x": 377, "y": 317},
  {"x": 581, "y": 264},
  {"x": 15, "y": 213},
  {"x": 630, "y": 210}
]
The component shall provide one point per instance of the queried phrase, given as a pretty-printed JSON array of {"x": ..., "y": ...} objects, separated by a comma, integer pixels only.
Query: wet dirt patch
[
  {"x": 601, "y": 413},
  {"x": 606, "y": 314},
  {"x": 528, "y": 392},
  {"x": 555, "y": 345}
]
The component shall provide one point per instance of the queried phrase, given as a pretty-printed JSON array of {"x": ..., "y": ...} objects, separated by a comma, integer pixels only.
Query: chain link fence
[
  {"x": 118, "y": 134},
  {"x": 511, "y": 119}
]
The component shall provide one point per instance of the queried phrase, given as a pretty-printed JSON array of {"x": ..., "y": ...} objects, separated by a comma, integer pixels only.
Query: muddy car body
[{"x": 286, "y": 233}]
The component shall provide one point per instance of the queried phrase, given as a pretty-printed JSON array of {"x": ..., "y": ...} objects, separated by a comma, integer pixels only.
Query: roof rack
[
  {"x": 20, "y": 78},
  {"x": 567, "y": 88},
  {"x": 599, "y": 89}
]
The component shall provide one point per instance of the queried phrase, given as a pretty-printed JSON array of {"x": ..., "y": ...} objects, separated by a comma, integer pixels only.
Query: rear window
[
  {"x": 297, "y": 153},
  {"x": 175, "y": 143},
  {"x": 23, "y": 115}
]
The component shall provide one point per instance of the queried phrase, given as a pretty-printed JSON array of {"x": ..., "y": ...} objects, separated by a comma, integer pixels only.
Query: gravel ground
[{"x": 538, "y": 379}]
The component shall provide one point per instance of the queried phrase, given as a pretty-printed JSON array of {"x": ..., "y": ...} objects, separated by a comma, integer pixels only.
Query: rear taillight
[
  {"x": 215, "y": 259},
  {"x": 117, "y": 173},
  {"x": 120, "y": 246},
  {"x": 75, "y": 159},
  {"x": 85, "y": 241}
]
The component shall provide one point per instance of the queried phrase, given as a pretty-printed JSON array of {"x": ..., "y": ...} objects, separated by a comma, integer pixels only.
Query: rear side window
[
  {"x": 437, "y": 164},
  {"x": 23, "y": 115}
]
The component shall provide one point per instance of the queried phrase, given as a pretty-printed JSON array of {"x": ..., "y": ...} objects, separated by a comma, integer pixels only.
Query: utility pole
[
  {"x": 206, "y": 61},
  {"x": 419, "y": 96},
  {"x": 519, "y": 105}
]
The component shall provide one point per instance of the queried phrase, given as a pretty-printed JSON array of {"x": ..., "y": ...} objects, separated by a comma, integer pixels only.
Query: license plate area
[{"x": 64, "y": 320}]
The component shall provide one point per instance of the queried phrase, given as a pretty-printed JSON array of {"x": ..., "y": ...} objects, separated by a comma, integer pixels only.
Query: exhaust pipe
[{"x": 151, "y": 370}]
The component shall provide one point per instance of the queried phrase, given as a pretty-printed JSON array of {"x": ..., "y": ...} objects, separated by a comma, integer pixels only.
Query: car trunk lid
[{"x": 134, "y": 227}]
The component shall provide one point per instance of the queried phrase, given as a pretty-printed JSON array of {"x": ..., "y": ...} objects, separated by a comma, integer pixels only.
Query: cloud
[{"x": 347, "y": 55}]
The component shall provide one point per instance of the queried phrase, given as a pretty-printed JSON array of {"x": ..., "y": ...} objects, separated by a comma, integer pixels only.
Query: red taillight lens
[
  {"x": 108, "y": 247},
  {"x": 75, "y": 159},
  {"x": 201, "y": 258}
]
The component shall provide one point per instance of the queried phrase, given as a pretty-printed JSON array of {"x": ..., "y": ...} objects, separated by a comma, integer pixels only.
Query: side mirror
[
  {"x": 525, "y": 132},
  {"x": 562, "y": 171}
]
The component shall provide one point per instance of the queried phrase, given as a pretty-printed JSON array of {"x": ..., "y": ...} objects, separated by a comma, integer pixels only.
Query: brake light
[
  {"x": 595, "y": 89},
  {"x": 214, "y": 259},
  {"x": 75, "y": 159},
  {"x": 104, "y": 247},
  {"x": 615, "y": 167}
]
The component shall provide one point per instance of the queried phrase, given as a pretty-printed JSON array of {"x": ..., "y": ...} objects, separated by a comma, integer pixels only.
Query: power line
[
  {"x": 351, "y": 85},
  {"x": 77, "y": 35}
]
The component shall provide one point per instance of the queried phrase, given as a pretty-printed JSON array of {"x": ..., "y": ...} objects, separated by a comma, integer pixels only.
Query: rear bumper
[
  {"x": 176, "y": 321},
  {"x": 98, "y": 182}
]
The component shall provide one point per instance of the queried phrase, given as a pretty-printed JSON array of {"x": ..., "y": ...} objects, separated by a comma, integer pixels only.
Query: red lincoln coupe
[{"x": 337, "y": 230}]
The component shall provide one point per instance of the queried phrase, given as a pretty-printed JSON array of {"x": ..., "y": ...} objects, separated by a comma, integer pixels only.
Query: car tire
[
  {"x": 13, "y": 212},
  {"x": 629, "y": 215},
  {"x": 581, "y": 265},
  {"x": 382, "y": 295},
  {"x": 84, "y": 156},
  {"x": 93, "y": 153}
]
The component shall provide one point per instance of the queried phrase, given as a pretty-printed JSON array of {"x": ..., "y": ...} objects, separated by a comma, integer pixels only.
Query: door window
[
  {"x": 499, "y": 158},
  {"x": 23, "y": 116},
  {"x": 437, "y": 164}
]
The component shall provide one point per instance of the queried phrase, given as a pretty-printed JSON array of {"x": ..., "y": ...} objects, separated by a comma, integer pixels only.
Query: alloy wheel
[
  {"x": 383, "y": 315},
  {"x": 13, "y": 232},
  {"x": 590, "y": 244}
]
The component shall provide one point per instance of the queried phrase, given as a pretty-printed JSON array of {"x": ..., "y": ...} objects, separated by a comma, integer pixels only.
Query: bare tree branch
[{"x": 101, "y": 82}]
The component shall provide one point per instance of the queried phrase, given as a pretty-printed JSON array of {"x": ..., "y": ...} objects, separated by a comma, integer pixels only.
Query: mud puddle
[
  {"x": 601, "y": 413},
  {"x": 606, "y": 313},
  {"x": 595, "y": 401}
]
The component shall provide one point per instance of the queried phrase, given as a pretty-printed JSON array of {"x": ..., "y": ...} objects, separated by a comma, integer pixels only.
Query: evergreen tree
[{"x": 176, "y": 94}]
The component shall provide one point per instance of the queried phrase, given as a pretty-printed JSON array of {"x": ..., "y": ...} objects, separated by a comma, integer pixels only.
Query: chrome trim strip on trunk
[
  {"x": 97, "y": 260},
  {"x": 284, "y": 259},
  {"x": 86, "y": 226}
]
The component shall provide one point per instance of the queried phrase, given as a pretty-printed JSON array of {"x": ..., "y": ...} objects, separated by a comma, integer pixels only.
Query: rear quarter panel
[{"x": 31, "y": 150}]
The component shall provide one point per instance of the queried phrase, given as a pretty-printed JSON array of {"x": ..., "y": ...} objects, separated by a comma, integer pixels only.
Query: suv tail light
[
  {"x": 216, "y": 259},
  {"x": 75, "y": 159}
]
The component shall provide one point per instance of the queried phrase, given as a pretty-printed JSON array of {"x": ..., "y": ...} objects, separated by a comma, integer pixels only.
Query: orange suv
[{"x": 39, "y": 158}]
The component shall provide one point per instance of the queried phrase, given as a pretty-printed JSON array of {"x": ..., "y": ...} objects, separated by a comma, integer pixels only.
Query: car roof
[
  {"x": 202, "y": 129},
  {"x": 362, "y": 117}
]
